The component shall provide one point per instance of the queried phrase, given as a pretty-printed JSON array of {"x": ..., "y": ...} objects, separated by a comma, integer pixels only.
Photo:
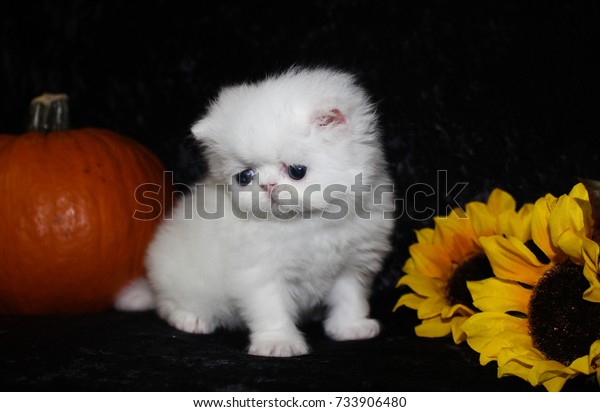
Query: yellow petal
[
  {"x": 498, "y": 295},
  {"x": 410, "y": 300},
  {"x": 429, "y": 260},
  {"x": 503, "y": 340},
  {"x": 545, "y": 370},
  {"x": 457, "y": 214},
  {"x": 582, "y": 365},
  {"x": 482, "y": 327},
  {"x": 524, "y": 214},
  {"x": 431, "y": 307},
  {"x": 572, "y": 244},
  {"x": 517, "y": 224},
  {"x": 500, "y": 201},
  {"x": 526, "y": 355},
  {"x": 586, "y": 209},
  {"x": 540, "y": 228},
  {"x": 579, "y": 192},
  {"x": 456, "y": 221},
  {"x": 565, "y": 216},
  {"x": 555, "y": 384},
  {"x": 458, "y": 309},
  {"x": 434, "y": 328},
  {"x": 595, "y": 353},
  {"x": 458, "y": 335},
  {"x": 513, "y": 369},
  {"x": 506, "y": 221},
  {"x": 518, "y": 361},
  {"x": 483, "y": 220},
  {"x": 590, "y": 251},
  {"x": 425, "y": 235},
  {"x": 409, "y": 267},
  {"x": 512, "y": 260},
  {"x": 424, "y": 286},
  {"x": 529, "y": 364},
  {"x": 456, "y": 238}
]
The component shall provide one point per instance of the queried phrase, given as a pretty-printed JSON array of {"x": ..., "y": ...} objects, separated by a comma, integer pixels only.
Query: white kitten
[{"x": 294, "y": 163}]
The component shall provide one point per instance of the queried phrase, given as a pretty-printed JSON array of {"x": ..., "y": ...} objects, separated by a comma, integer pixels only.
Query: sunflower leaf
[{"x": 593, "y": 189}]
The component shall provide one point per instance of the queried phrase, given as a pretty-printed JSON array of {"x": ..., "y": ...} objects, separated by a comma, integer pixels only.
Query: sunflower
[
  {"x": 445, "y": 257},
  {"x": 540, "y": 311}
]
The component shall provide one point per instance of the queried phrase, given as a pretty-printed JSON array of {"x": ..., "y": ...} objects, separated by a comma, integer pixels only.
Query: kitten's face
[{"x": 293, "y": 143}]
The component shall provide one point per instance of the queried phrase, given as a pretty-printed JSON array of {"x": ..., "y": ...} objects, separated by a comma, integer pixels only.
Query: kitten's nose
[{"x": 269, "y": 187}]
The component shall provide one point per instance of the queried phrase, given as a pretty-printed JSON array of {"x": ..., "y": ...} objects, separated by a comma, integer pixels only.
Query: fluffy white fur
[{"x": 268, "y": 273}]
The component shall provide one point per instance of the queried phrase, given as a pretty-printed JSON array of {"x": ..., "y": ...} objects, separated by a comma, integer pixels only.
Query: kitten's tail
[{"x": 136, "y": 296}]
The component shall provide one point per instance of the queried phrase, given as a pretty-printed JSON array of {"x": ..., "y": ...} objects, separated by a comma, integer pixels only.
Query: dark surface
[
  {"x": 496, "y": 94},
  {"x": 116, "y": 351}
]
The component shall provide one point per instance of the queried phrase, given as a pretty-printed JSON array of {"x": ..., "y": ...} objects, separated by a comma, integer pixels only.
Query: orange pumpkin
[{"x": 68, "y": 238}]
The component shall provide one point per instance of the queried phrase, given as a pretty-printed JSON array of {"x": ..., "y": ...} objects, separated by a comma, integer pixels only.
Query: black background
[{"x": 496, "y": 93}]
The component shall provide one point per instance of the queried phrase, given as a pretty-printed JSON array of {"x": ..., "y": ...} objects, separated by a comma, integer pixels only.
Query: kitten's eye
[
  {"x": 244, "y": 178},
  {"x": 296, "y": 172}
]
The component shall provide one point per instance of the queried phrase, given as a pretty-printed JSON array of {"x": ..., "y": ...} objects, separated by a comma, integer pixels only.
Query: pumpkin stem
[{"x": 49, "y": 113}]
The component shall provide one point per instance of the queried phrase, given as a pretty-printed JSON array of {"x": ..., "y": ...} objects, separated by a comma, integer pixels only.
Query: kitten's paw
[
  {"x": 135, "y": 296},
  {"x": 357, "y": 330},
  {"x": 189, "y": 322},
  {"x": 278, "y": 347}
]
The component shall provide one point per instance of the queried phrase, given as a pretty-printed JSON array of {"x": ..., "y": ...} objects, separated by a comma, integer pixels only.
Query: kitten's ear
[
  {"x": 331, "y": 117},
  {"x": 202, "y": 130}
]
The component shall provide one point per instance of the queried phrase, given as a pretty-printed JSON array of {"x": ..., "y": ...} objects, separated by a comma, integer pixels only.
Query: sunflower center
[
  {"x": 562, "y": 325},
  {"x": 477, "y": 267}
]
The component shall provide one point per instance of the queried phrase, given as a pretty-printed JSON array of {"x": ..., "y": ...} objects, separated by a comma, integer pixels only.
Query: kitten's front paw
[
  {"x": 357, "y": 330},
  {"x": 278, "y": 347},
  {"x": 189, "y": 322}
]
